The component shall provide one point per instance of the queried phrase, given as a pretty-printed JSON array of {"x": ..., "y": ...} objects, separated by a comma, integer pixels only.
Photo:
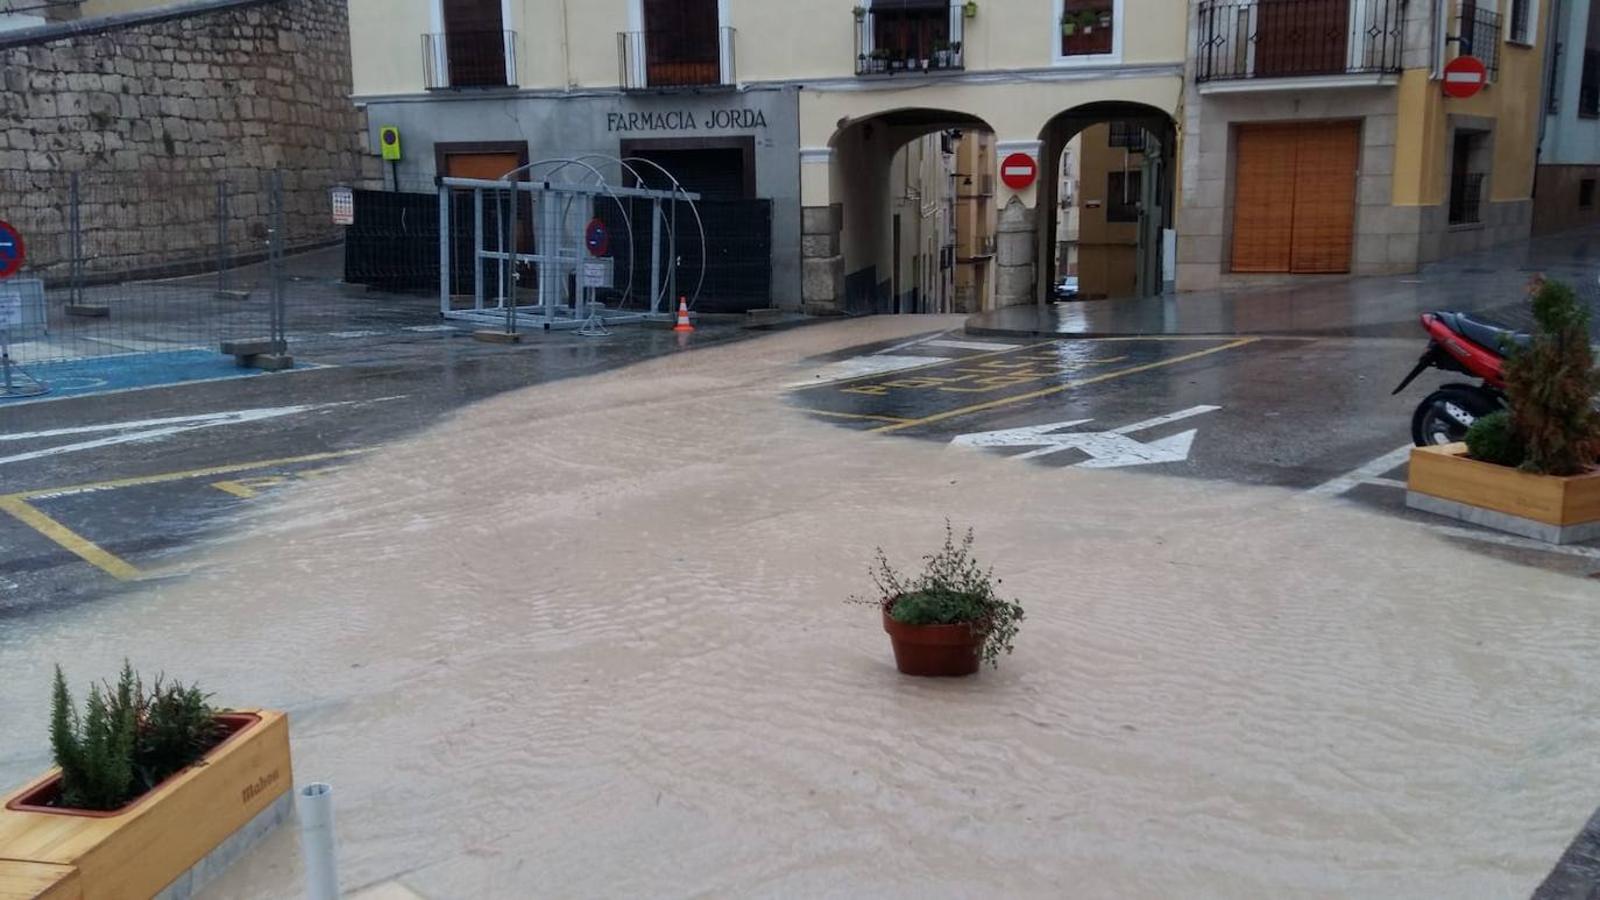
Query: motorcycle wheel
[{"x": 1446, "y": 414}]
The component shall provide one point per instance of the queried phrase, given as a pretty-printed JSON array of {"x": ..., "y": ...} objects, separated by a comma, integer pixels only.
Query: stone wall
[{"x": 152, "y": 111}]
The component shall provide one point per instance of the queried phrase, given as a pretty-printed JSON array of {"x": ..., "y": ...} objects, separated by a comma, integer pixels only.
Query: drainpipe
[
  {"x": 1552, "y": 63},
  {"x": 566, "y": 48}
]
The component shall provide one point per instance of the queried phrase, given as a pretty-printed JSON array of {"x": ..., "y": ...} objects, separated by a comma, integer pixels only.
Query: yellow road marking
[
  {"x": 182, "y": 476},
  {"x": 85, "y": 549},
  {"x": 845, "y": 415},
  {"x": 1056, "y": 389},
  {"x": 942, "y": 362},
  {"x": 18, "y": 507}
]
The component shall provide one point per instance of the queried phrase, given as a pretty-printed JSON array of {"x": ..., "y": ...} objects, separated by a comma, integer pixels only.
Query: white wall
[{"x": 1570, "y": 140}]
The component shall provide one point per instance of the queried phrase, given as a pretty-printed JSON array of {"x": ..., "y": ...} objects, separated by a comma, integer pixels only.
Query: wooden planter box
[
  {"x": 1443, "y": 480},
  {"x": 192, "y": 824}
]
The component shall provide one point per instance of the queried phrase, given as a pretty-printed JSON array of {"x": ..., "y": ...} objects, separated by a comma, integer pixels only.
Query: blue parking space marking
[{"x": 104, "y": 374}]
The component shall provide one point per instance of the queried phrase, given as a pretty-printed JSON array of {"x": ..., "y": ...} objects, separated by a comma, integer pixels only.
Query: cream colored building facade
[{"x": 817, "y": 96}]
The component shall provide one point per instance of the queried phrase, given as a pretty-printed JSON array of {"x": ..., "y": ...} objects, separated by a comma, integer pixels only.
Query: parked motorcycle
[{"x": 1471, "y": 346}]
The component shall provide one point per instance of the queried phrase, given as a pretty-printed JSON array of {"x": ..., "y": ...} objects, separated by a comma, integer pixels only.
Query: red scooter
[{"x": 1472, "y": 346}]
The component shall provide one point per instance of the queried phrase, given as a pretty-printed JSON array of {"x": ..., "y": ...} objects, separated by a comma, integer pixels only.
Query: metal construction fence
[
  {"x": 181, "y": 263},
  {"x": 119, "y": 263}
]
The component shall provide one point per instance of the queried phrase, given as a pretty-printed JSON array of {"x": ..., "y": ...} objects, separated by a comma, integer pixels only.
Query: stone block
[
  {"x": 1375, "y": 190},
  {"x": 822, "y": 219},
  {"x": 1202, "y": 220},
  {"x": 822, "y": 280},
  {"x": 1014, "y": 248},
  {"x": 1201, "y": 249},
  {"x": 1015, "y": 285},
  {"x": 815, "y": 246},
  {"x": 1371, "y": 250}
]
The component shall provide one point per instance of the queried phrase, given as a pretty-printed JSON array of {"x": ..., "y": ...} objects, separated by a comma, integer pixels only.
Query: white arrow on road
[
  {"x": 155, "y": 429},
  {"x": 1108, "y": 449}
]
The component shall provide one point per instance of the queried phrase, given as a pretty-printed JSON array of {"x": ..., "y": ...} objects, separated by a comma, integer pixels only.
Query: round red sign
[
  {"x": 12, "y": 252},
  {"x": 1018, "y": 171},
  {"x": 1465, "y": 76}
]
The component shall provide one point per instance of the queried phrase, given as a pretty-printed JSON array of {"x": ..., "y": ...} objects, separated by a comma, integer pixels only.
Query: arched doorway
[
  {"x": 1106, "y": 195},
  {"x": 917, "y": 213}
]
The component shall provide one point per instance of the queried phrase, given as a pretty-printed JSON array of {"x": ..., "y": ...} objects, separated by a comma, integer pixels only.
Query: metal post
[
  {"x": 275, "y": 255},
  {"x": 672, "y": 256},
  {"x": 477, "y": 249},
  {"x": 75, "y": 242},
  {"x": 655, "y": 256},
  {"x": 510, "y": 224},
  {"x": 317, "y": 842},
  {"x": 222, "y": 237},
  {"x": 444, "y": 253}
]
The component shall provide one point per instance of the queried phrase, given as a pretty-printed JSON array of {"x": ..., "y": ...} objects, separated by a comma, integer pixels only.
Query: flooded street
[{"x": 588, "y": 639}]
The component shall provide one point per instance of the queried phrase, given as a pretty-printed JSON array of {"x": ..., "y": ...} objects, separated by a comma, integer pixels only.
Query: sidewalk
[{"x": 1492, "y": 283}]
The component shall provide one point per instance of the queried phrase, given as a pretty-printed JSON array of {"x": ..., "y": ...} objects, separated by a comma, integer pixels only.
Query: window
[
  {"x": 1521, "y": 25},
  {"x": 1122, "y": 196},
  {"x": 1088, "y": 27},
  {"x": 475, "y": 46},
  {"x": 1466, "y": 177},
  {"x": 1586, "y": 194},
  {"x": 1127, "y": 136},
  {"x": 1478, "y": 34},
  {"x": 1589, "y": 84},
  {"x": 908, "y": 35}
]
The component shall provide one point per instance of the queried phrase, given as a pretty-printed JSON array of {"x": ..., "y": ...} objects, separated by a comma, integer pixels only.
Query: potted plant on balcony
[
  {"x": 941, "y": 54},
  {"x": 860, "y": 12},
  {"x": 1531, "y": 469},
  {"x": 955, "y": 54},
  {"x": 1069, "y": 24},
  {"x": 880, "y": 60},
  {"x": 147, "y": 786},
  {"x": 949, "y": 619},
  {"x": 970, "y": 9}
]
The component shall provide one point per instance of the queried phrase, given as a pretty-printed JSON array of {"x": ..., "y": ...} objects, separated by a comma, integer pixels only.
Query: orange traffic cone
[{"x": 683, "y": 316}]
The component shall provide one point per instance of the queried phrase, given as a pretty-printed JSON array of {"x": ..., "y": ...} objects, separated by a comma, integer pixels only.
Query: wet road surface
[{"x": 1313, "y": 414}]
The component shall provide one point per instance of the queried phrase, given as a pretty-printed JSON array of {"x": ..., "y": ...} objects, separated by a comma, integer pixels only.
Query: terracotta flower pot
[{"x": 933, "y": 650}]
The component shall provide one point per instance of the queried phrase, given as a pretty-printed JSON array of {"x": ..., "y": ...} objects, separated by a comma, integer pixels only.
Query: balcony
[
  {"x": 1252, "y": 44},
  {"x": 676, "y": 58},
  {"x": 469, "y": 59},
  {"x": 907, "y": 36}
]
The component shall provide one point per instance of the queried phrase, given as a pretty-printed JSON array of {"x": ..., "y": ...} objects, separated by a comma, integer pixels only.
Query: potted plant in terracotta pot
[
  {"x": 949, "y": 619},
  {"x": 149, "y": 785}
]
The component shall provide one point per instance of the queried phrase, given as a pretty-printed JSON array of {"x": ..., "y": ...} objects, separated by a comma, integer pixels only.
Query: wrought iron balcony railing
[
  {"x": 1297, "y": 38},
  {"x": 461, "y": 59},
  {"x": 915, "y": 37},
  {"x": 1478, "y": 34},
  {"x": 686, "y": 57}
]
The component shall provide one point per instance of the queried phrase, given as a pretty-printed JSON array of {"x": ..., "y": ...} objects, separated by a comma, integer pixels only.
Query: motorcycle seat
[{"x": 1486, "y": 334}]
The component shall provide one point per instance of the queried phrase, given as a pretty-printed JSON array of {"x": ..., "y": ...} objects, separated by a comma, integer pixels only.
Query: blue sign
[
  {"x": 597, "y": 237},
  {"x": 12, "y": 252}
]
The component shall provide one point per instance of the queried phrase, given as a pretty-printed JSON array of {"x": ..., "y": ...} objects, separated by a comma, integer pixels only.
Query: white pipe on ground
[{"x": 315, "y": 802}]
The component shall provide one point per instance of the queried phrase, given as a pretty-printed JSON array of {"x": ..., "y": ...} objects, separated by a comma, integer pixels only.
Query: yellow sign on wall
[{"x": 389, "y": 142}]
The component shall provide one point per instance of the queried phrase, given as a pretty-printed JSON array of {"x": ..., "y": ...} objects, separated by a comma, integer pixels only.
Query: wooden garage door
[{"x": 1294, "y": 197}]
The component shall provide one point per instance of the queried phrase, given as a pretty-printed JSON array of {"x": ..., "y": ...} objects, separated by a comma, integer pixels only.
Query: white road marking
[
  {"x": 970, "y": 345},
  {"x": 155, "y": 429},
  {"x": 428, "y": 329},
  {"x": 1108, "y": 449},
  {"x": 890, "y": 351},
  {"x": 354, "y": 334},
  {"x": 865, "y": 365},
  {"x": 1348, "y": 481}
]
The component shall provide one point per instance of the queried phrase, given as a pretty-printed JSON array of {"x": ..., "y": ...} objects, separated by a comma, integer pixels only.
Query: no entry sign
[
  {"x": 1464, "y": 76},
  {"x": 1018, "y": 171},
  {"x": 597, "y": 237},
  {"x": 12, "y": 252}
]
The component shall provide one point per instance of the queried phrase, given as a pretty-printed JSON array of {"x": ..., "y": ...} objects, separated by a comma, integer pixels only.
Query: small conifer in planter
[{"x": 1551, "y": 384}]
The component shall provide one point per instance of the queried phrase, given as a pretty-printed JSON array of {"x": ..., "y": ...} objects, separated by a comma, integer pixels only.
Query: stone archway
[{"x": 849, "y": 247}]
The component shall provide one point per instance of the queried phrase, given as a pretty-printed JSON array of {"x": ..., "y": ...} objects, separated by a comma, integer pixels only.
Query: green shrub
[
  {"x": 1551, "y": 383},
  {"x": 126, "y": 741},
  {"x": 1492, "y": 439},
  {"x": 952, "y": 590}
]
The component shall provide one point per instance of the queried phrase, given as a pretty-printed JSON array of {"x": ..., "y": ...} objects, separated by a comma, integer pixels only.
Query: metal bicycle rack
[{"x": 556, "y": 245}]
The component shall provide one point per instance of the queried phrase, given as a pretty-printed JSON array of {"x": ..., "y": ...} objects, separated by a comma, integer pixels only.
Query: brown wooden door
[
  {"x": 1301, "y": 37},
  {"x": 681, "y": 46},
  {"x": 1263, "y": 198},
  {"x": 475, "y": 43},
  {"x": 1294, "y": 197},
  {"x": 1326, "y": 158}
]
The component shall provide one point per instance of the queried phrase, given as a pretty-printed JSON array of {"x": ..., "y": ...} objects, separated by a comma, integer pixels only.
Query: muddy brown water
[{"x": 588, "y": 640}]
